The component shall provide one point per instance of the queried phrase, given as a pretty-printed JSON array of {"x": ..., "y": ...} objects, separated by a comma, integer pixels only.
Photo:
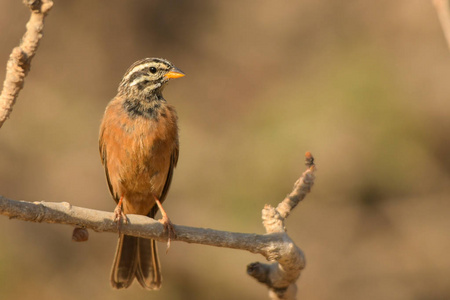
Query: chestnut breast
[{"x": 138, "y": 150}]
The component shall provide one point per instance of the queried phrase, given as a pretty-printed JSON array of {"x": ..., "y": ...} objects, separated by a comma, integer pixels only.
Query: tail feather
[
  {"x": 124, "y": 265},
  {"x": 136, "y": 257},
  {"x": 148, "y": 271}
]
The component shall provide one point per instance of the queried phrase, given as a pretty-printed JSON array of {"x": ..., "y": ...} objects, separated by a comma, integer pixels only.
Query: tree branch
[
  {"x": 276, "y": 245},
  {"x": 281, "y": 276},
  {"x": 443, "y": 11},
  {"x": 19, "y": 61},
  {"x": 137, "y": 225}
]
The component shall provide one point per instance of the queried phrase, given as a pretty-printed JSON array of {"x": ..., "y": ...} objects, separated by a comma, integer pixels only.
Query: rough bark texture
[
  {"x": 281, "y": 276},
  {"x": 18, "y": 64}
]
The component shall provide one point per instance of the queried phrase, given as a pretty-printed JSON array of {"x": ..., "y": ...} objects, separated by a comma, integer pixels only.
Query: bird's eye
[{"x": 152, "y": 70}]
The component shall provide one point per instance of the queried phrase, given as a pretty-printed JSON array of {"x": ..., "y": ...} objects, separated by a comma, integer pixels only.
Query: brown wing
[
  {"x": 104, "y": 158},
  {"x": 173, "y": 164}
]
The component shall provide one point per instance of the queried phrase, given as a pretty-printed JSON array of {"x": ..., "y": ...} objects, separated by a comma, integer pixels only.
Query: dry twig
[
  {"x": 276, "y": 245},
  {"x": 443, "y": 11},
  {"x": 281, "y": 276},
  {"x": 18, "y": 64}
]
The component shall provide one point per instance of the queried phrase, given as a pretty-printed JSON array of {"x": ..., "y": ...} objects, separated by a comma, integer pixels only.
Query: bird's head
[{"x": 148, "y": 76}]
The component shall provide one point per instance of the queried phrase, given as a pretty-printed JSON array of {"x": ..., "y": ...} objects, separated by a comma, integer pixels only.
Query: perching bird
[{"x": 139, "y": 150}]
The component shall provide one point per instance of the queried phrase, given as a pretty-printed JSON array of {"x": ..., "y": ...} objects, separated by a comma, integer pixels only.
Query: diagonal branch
[
  {"x": 18, "y": 64},
  {"x": 276, "y": 245},
  {"x": 443, "y": 11},
  {"x": 281, "y": 276}
]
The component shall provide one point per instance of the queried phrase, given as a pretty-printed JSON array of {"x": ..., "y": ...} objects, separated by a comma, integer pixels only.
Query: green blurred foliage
[{"x": 362, "y": 85}]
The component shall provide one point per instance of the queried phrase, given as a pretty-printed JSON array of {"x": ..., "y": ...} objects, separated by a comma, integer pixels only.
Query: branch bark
[
  {"x": 443, "y": 11},
  {"x": 280, "y": 277},
  {"x": 19, "y": 61}
]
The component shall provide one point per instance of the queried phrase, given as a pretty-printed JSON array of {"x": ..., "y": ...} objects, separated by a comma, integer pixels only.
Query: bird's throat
[{"x": 149, "y": 107}]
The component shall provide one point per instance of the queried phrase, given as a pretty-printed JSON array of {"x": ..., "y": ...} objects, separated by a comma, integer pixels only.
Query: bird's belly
[{"x": 144, "y": 174}]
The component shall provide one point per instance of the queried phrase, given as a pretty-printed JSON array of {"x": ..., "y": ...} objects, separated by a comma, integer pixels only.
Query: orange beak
[{"x": 174, "y": 73}]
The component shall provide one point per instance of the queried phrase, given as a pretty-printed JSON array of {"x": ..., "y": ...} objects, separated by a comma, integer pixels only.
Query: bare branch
[
  {"x": 273, "y": 219},
  {"x": 281, "y": 276},
  {"x": 443, "y": 11},
  {"x": 137, "y": 225},
  {"x": 19, "y": 61},
  {"x": 276, "y": 245}
]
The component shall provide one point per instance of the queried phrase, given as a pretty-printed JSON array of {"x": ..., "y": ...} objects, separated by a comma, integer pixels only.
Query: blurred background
[{"x": 363, "y": 85}]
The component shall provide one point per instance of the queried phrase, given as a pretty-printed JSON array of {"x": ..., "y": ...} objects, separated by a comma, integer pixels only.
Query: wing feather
[
  {"x": 104, "y": 158},
  {"x": 173, "y": 164}
]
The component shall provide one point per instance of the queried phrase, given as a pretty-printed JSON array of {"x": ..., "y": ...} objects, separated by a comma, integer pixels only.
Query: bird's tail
[{"x": 136, "y": 257}]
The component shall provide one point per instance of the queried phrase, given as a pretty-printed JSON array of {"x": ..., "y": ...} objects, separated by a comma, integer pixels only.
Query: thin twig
[
  {"x": 19, "y": 61},
  {"x": 281, "y": 276},
  {"x": 443, "y": 11}
]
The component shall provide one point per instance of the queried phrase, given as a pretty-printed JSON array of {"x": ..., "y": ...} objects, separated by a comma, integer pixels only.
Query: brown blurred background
[{"x": 363, "y": 85}]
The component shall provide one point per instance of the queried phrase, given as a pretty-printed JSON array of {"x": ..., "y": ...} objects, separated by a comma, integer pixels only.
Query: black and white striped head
[{"x": 148, "y": 75}]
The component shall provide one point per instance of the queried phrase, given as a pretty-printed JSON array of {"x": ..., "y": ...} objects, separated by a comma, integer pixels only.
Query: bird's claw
[
  {"x": 119, "y": 216},
  {"x": 168, "y": 227}
]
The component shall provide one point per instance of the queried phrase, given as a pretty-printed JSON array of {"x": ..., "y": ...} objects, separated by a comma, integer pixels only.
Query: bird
[{"x": 139, "y": 150}]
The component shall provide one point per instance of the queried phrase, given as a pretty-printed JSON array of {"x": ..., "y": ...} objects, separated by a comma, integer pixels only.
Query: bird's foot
[
  {"x": 168, "y": 225},
  {"x": 119, "y": 215}
]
